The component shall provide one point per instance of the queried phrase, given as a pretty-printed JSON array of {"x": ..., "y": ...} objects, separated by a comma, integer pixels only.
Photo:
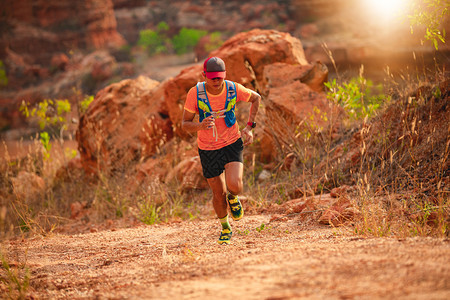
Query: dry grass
[
  {"x": 38, "y": 195},
  {"x": 396, "y": 162},
  {"x": 14, "y": 278}
]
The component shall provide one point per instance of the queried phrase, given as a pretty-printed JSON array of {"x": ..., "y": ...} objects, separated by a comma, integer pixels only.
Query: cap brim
[{"x": 215, "y": 74}]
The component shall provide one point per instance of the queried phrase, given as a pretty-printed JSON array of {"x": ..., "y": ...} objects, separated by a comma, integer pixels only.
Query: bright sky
[{"x": 386, "y": 9}]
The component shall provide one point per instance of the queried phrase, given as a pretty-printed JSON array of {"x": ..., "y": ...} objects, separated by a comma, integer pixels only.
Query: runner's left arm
[{"x": 255, "y": 100}]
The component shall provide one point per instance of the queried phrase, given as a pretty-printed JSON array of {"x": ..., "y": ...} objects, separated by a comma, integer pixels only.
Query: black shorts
[{"x": 214, "y": 161}]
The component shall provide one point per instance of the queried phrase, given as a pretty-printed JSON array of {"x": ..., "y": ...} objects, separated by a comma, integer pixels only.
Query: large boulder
[
  {"x": 188, "y": 174},
  {"x": 245, "y": 55},
  {"x": 295, "y": 103},
  {"x": 294, "y": 93},
  {"x": 125, "y": 123}
]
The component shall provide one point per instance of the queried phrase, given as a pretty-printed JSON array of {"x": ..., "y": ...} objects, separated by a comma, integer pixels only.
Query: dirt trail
[{"x": 182, "y": 260}]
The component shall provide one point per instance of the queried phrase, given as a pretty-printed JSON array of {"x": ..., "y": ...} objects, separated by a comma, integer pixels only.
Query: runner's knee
[{"x": 235, "y": 186}]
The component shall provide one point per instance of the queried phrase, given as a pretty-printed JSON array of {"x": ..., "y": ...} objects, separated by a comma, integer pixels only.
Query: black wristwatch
[{"x": 252, "y": 124}]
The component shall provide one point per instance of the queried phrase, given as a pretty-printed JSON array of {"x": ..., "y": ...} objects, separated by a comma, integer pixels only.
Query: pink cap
[{"x": 214, "y": 67}]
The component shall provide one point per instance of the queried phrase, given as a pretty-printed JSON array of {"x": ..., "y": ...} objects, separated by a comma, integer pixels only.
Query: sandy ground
[{"x": 285, "y": 260}]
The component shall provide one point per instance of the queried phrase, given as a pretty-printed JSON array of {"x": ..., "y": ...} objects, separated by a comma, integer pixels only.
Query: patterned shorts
[{"x": 214, "y": 161}]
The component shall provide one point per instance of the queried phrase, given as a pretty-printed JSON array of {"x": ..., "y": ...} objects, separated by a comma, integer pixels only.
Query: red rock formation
[
  {"x": 245, "y": 55},
  {"x": 188, "y": 174},
  {"x": 59, "y": 61},
  {"x": 36, "y": 37},
  {"x": 178, "y": 163},
  {"x": 341, "y": 211},
  {"x": 294, "y": 99},
  {"x": 38, "y": 29},
  {"x": 123, "y": 125}
]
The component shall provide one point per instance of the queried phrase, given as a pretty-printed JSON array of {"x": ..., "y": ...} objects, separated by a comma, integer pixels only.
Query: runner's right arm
[{"x": 189, "y": 125}]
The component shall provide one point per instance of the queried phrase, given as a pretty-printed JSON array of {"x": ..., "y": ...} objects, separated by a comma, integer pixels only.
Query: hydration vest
[{"x": 204, "y": 108}]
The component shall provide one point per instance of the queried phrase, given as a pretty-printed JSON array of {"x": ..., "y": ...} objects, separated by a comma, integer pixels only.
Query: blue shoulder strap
[
  {"x": 230, "y": 104},
  {"x": 231, "y": 90},
  {"x": 204, "y": 108}
]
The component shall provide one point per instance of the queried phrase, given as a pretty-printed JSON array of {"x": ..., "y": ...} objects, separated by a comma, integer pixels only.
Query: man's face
[{"x": 215, "y": 83}]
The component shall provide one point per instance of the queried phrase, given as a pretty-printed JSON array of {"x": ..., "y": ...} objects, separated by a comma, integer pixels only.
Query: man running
[{"x": 220, "y": 142}]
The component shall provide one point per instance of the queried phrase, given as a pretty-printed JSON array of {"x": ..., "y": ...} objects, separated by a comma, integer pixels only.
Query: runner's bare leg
[
  {"x": 233, "y": 177},
  {"x": 219, "y": 190}
]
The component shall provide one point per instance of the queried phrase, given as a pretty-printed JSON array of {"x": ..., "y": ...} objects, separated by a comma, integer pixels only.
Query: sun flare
[{"x": 386, "y": 9}]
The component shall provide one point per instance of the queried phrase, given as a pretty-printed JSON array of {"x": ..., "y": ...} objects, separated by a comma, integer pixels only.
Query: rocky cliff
[
  {"x": 36, "y": 29},
  {"x": 39, "y": 43}
]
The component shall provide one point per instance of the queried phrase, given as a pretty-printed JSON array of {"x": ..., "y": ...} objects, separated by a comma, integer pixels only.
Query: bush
[
  {"x": 359, "y": 97},
  {"x": 84, "y": 105},
  {"x": 215, "y": 41},
  {"x": 186, "y": 40},
  {"x": 155, "y": 41}
]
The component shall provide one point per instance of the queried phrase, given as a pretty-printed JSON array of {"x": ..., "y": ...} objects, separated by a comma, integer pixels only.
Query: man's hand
[
  {"x": 247, "y": 135},
  {"x": 207, "y": 123}
]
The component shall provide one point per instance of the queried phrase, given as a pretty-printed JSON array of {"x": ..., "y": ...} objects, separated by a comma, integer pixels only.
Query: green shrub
[
  {"x": 85, "y": 103},
  {"x": 215, "y": 41},
  {"x": 51, "y": 116},
  {"x": 48, "y": 112},
  {"x": 163, "y": 27},
  {"x": 155, "y": 42},
  {"x": 359, "y": 97},
  {"x": 149, "y": 213},
  {"x": 187, "y": 39},
  {"x": 151, "y": 41}
]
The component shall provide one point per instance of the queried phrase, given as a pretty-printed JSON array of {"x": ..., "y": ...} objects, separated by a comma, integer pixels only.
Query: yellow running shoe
[
  {"x": 237, "y": 211},
  {"x": 225, "y": 236}
]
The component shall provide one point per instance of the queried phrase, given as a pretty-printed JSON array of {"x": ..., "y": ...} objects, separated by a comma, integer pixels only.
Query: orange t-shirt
[{"x": 206, "y": 139}]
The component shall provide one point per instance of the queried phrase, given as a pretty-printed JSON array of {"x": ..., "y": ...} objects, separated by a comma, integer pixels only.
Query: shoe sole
[{"x": 237, "y": 219}]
